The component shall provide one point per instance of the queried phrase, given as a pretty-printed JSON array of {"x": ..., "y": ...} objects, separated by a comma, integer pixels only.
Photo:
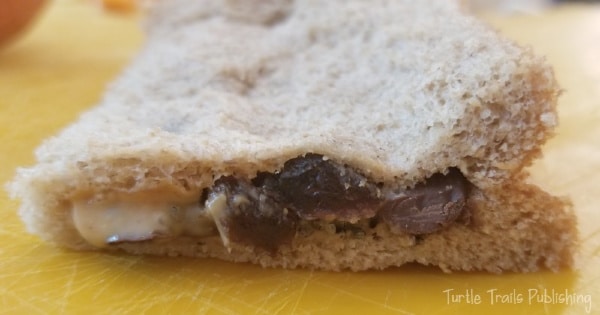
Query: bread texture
[{"x": 399, "y": 90}]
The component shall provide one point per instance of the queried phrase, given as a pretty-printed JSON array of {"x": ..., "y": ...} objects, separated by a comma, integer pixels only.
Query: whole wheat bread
[{"x": 399, "y": 90}]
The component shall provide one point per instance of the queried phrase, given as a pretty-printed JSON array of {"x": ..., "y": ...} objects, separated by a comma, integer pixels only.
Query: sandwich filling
[{"x": 271, "y": 209}]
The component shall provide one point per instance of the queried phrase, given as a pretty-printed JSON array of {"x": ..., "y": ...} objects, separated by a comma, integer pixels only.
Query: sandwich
[{"x": 333, "y": 135}]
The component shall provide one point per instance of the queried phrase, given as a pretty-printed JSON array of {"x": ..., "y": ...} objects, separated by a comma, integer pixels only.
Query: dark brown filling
[{"x": 266, "y": 211}]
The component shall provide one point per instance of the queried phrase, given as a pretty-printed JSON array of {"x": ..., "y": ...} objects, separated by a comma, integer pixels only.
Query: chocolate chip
[
  {"x": 267, "y": 211},
  {"x": 428, "y": 207},
  {"x": 254, "y": 217},
  {"x": 320, "y": 189}
]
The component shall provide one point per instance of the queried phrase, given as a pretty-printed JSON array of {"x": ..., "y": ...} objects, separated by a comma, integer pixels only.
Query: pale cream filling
[{"x": 138, "y": 217}]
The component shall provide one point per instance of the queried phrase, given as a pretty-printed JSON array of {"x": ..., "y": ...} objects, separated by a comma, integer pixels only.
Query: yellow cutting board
[{"x": 61, "y": 68}]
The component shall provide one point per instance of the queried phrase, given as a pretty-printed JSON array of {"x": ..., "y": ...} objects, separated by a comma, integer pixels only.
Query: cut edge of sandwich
[{"x": 512, "y": 227}]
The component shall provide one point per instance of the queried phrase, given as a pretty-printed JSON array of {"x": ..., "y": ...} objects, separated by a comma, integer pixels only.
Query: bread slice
[{"x": 394, "y": 91}]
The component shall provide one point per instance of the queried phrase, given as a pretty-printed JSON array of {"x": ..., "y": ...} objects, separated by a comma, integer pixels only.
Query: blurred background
[{"x": 16, "y": 16}]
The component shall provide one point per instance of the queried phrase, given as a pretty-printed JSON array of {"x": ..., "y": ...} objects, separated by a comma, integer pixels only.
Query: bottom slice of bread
[{"x": 517, "y": 228}]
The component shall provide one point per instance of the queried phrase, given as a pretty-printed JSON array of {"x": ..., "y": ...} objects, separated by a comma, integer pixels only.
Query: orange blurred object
[
  {"x": 119, "y": 5},
  {"x": 15, "y": 16}
]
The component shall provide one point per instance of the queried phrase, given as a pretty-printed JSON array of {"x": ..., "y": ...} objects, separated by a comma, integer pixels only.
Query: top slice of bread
[{"x": 398, "y": 89}]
